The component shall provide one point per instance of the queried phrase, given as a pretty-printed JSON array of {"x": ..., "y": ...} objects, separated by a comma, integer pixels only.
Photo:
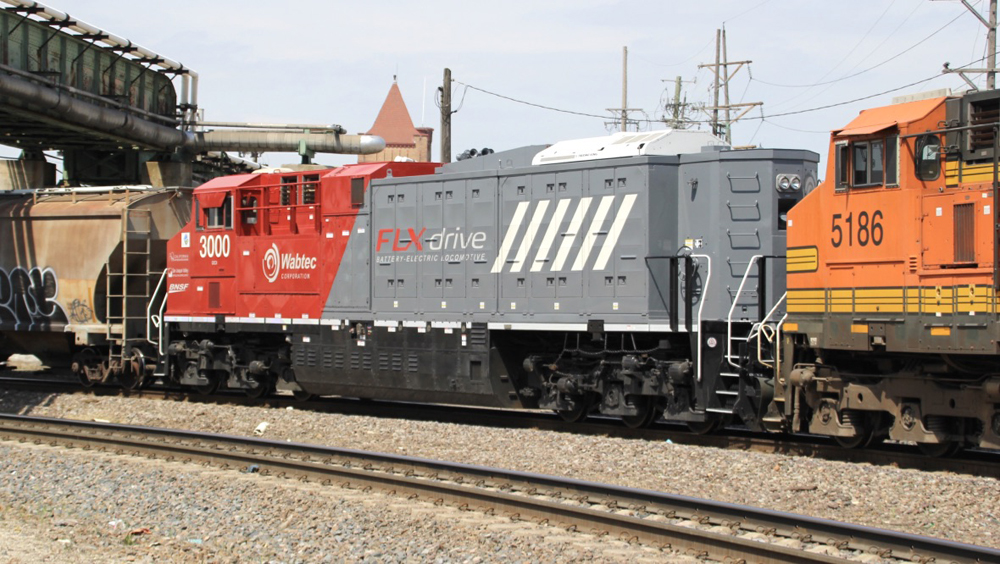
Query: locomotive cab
[{"x": 895, "y": 254}]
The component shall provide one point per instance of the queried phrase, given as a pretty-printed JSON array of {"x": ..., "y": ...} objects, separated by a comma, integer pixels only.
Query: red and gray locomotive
[{"x": 604, "y": 275}]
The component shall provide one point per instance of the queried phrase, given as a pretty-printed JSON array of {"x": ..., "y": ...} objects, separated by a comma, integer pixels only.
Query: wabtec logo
[
  {"x": 444, "y": 240},
  {"x": 275, "y": 262}
]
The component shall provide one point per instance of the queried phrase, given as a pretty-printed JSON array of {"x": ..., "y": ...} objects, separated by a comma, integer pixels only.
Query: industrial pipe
[
  {"x": 55, "y": 104},
  {"x": 261, "y": 141}
]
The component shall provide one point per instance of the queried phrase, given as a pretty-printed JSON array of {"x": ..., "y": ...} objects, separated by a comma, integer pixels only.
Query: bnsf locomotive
[{"x": 638, "y": 276}]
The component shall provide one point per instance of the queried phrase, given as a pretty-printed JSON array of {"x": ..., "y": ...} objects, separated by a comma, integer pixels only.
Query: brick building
[{"x": 402, "y": 139}]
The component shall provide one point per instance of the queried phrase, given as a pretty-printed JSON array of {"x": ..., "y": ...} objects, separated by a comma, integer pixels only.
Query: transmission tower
[{"x": 723, "y": 74}]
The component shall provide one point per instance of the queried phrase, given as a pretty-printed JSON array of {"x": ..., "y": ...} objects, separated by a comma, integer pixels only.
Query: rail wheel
[
  {"x": 212, "y": 385},
  {"x": 646, "y": 413},
  {"x": 706, "y": 427},
  {"x": 84, "y": 364},
  {"x": 866, "y": 426},
  {"x": 579, "y": 411},
  {"x": 940, "y": 450},
  {"x": 133, "y": 373},
  {"x": 263, "y": 388}
]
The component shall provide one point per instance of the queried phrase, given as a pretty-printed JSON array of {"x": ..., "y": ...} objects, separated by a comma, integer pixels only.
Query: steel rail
[
  {"x": 973, "y": 462},
  {"x": 519, "y": 495}
]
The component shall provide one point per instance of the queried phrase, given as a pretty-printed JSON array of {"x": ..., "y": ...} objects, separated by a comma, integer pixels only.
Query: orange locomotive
[{"x": 892, "y": 320}]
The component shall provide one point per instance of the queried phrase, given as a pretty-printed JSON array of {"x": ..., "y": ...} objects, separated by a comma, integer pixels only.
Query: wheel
[
  {"x": 209, "y": 388},
  {"x": 133, "y": 373},
  {"x": 645, "y": 414},
  {"x": 302, "y": 395},
  {"x": 706, "y": 427},
  {"x": 940, "y": 450},
  {"x": 82, "y": 365},
  {"x": 866, "y": 426},
  {"x": 862, "y": 439},
  {"x": 577, "y": 413},
  {"x": 263, "y": 388}
]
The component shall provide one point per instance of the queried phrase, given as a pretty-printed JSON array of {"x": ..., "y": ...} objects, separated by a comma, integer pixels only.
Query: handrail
[
  {"x": 763, "y": 323},
  {"x": 156, "y": 321},
  {"x": 732, "y": 310},
  {"x": 701, "y": 305}
]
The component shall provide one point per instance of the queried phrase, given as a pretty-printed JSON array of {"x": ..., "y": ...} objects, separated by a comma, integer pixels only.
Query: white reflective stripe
[
  {"x": 591, "y": 237},
  {"x": 446, "y": 324},
  {"x": 616, "y": 229},
  {"x": 529, "y": 236},
  {"x": 508, "y": 239},
  {"x": 537, "y": 326},
  {"x": 305, "y": 322},
  {"x": 550, "y": 234},
  {"x": 570, "y": 236},
  {"x": 626, "y": 327}
]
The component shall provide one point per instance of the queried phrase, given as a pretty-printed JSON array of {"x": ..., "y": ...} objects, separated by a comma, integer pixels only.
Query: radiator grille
[
  {"x": 983, "y": 112},
  {"x": 965, "y": 231}
]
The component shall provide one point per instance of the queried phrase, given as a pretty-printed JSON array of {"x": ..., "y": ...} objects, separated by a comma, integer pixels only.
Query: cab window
[
  {"x": 250, "y": 210},
  {"x": 928, "y": 157},
  {"x": 866, "y": 164},
  {"x": 220, "y": 217}
]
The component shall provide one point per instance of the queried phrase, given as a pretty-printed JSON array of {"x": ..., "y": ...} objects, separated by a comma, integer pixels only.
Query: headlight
[{"x": 788, "y": 182}]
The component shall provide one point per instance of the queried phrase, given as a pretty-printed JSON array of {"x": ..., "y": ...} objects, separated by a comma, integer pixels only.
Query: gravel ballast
[{"x": 956, "y": 507}]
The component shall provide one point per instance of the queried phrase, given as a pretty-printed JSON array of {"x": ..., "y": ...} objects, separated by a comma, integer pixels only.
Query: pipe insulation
[
  {"x": 261, "y": 141},
  {"x": 56, "y": 104}
]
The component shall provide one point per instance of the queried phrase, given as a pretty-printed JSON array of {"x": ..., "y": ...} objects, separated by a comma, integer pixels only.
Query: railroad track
[
  {"x": 718, "y": 531},
  {"x": 970, "y": 462}
]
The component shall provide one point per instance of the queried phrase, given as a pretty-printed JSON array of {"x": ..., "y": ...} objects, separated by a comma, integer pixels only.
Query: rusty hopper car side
[{"x": 76, "y": 269}]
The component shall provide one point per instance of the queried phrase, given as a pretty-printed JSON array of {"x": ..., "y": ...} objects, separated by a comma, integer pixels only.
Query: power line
[
  {"x": 741, "y": 14},
  {"x": 761, "y": 117},
  {"x": 890, "y": 59},
  {"x": 531, "y": 103}
]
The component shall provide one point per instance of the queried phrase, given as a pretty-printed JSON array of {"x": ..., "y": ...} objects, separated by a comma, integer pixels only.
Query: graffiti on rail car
[{"x": 28, "y": 299}]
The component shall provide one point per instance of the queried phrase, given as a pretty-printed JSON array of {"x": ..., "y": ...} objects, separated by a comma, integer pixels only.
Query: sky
[{"x": 327, "y": 62}]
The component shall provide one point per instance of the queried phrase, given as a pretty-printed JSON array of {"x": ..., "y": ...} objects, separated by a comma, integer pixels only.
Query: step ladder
[
  {"x": 129, "y": 284},
  {"x": 767, "y": 329}
]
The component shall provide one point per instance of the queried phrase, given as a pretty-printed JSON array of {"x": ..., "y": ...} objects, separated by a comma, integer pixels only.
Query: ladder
[
  {"x": 129, "y": 284},
  {"x": 767, "y": 329}
]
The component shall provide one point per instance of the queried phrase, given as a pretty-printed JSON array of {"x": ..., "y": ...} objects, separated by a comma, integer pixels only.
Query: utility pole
[
  {"x": 445, "y": 92},
  {"x": 991, "y": 49},
  {"x": 715, "y": 98},
  {"x": 722, "y": 77},
  {"x": 624, "y": 87},
  {"x": 623, "y": 121},
  {"x": 725, "y": 63},
  {"x": 678, "y": 109}
]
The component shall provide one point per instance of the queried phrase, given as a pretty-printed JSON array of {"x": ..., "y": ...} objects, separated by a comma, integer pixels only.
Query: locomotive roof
[
  {"x": 627, "y": 144},
  {"x": 879, "y": 119}
]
